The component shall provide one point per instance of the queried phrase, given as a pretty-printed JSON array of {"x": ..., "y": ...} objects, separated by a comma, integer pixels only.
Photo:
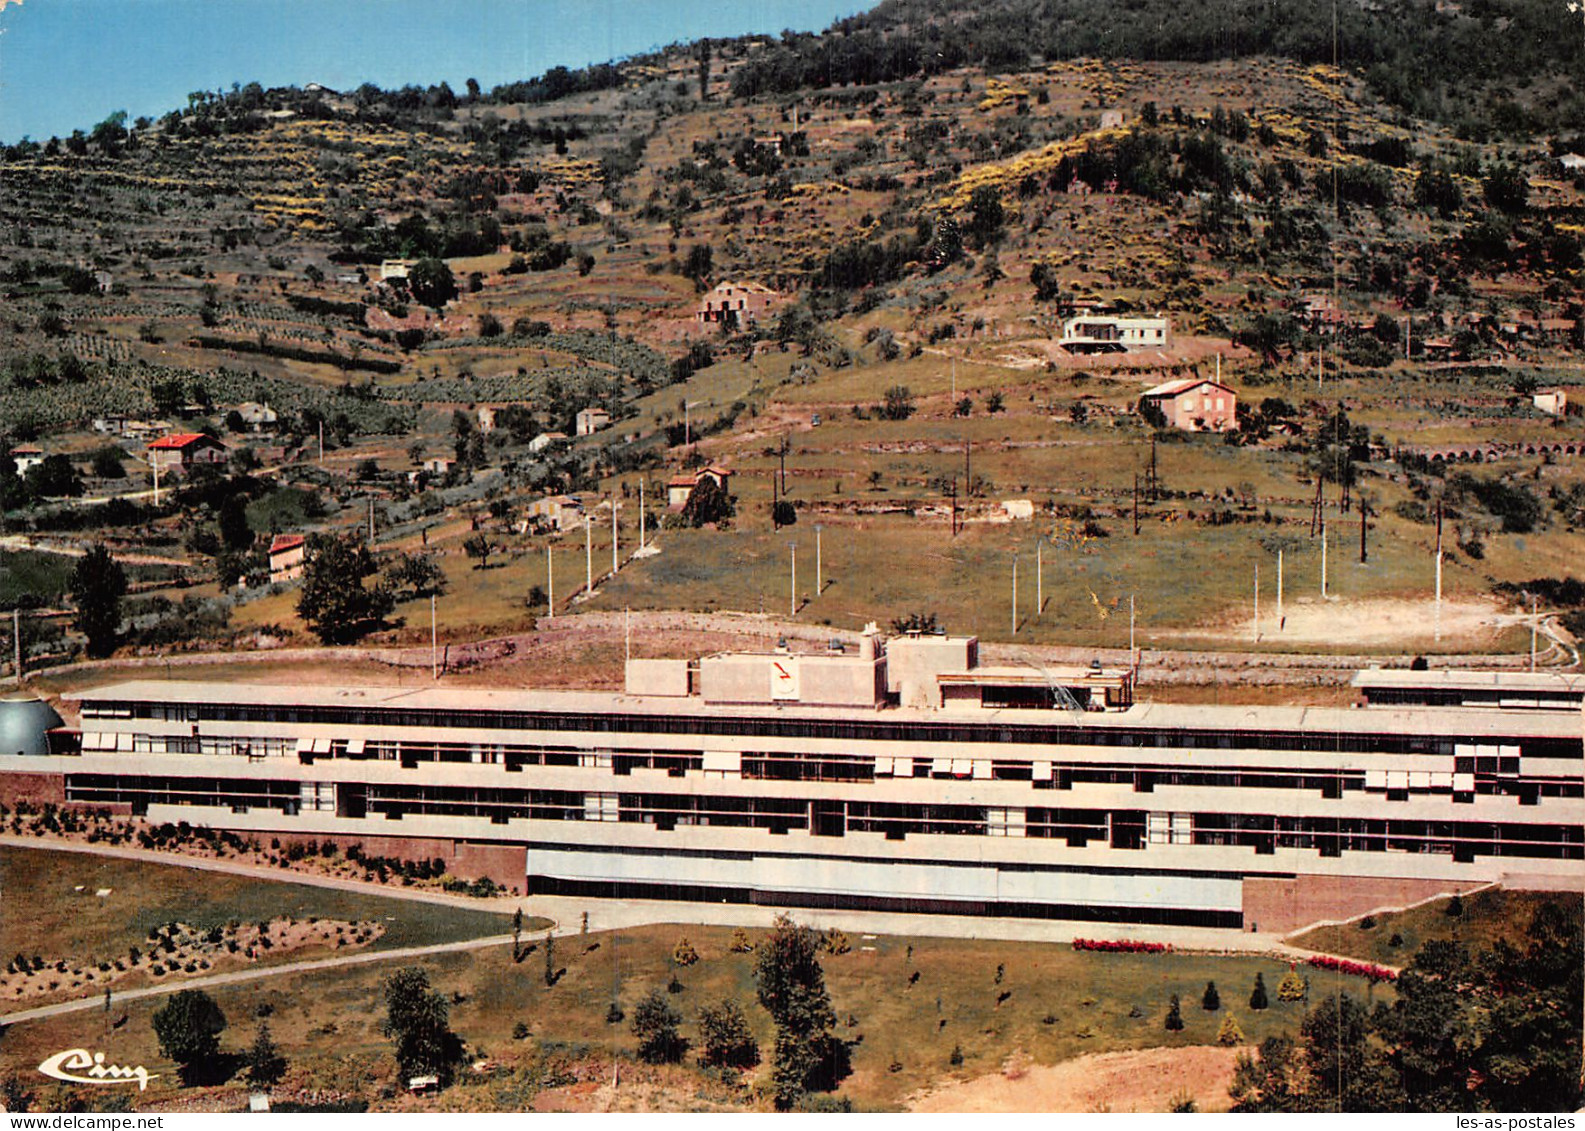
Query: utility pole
[
  {"x": 1015, "y": 593},
  {"x": 820, "y": 584},
  {"x": 550, "y": 584},
  {"x": 615, "y": 564},
  {"x": 1136, "y": 504},
  {"x": 1438, "y": 626},
  {"x": 954, "y": 506},
  {"x": 1279, "y": 590},
  {"x": 588, "y": 555},
  {"x": 1131, "y": 651},
  {"x": 968, "y": 482},
  {"x": 1255, "y": 631},
  {"x": 1323, "y": 559},
  {"x": 792, "y": 585},
  {"x": 641, "y": 514},
  {"x": 627, "y": 635},
  {"x": 154, "y": 462},
  {"x": 1532, "y": 632},
  {"x": 1155, "y": 481},
  {"x": 16, "y": 642},
  {"x": 1040, "y": 580},
  {"x": 1364, "y": 509},
  {"x": 434, "y": 642}
]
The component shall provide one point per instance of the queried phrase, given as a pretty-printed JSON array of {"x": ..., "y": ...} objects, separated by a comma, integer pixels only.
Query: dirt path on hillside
[{"x": 1143, "y": 1080}]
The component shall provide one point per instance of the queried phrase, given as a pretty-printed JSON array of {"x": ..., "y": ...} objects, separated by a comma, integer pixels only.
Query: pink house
[
  {"x": 736, "y": 304},
  {"x": 1195, "y": 405}
]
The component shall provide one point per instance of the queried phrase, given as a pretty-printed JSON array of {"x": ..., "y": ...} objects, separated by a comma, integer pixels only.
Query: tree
[
  {"x": 233, "y": 520},
  {"x": 189, "y": 1027},
  {"x": 697, "y": 266},
  {"x": 431, "y": 282},
  {"x": 655, "y": 1025},
  {"x": 1211, "y": 1001},
  {"x": 986, "y": 214},
  {"x": 740, "y": 943},
  {"x": 683, "y": 954},
  {"x": 106, "y": 463},
  {"x": 416, "y": 1017},
  {"x": 54, "y": 477},
  {"x": 791, "y": 987},
  {"x": 728, "y": 1040},
  {"x": 266, "y": 1065},
  {"x": 98, "y": 584},
  {"x": 550, "y": 958},
  {"x": 1174, "y": 1021},
  {"x": 334, "y": 601},
  {"x": 1293, "y": 986},
  {"x": 1267, "y": 1082},
  {"x": 479, "y": 547},
  {"x": 1257, "y": 996},
  {"x": 1230, "y": 1033},
  {"x": 899, "y": 403},
  {"x": 1506, "y": 188},
  {"x": 708, "y": 502},
  {"x": 783, "y": 513}
]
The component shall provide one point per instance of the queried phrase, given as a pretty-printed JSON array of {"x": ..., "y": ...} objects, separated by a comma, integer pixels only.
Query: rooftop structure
[{"x": 1399, "y": 687}]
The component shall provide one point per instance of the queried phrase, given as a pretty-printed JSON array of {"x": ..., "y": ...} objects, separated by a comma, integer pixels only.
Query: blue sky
[{"x": 67, "y": 64}]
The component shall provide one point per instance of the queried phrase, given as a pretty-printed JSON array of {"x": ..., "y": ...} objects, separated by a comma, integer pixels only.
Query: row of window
[
  {"x": 1116, "y": 828},
  {"x": 880, "y": 730},
  {"x": 1486, "y": 774}
]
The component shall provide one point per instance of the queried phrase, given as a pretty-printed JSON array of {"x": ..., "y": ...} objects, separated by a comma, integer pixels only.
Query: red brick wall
[
  {"x": 1288, "y": 904},
  {"x": 36, "y": 788},
  {"x": 504, "y": 863}
]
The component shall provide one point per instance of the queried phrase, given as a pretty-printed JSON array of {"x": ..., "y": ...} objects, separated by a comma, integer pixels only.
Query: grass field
[
  {"x": 1489, "y": 915},
  {"x": 1050, "y": 1004},
  {"x": 41, "y": 912}
]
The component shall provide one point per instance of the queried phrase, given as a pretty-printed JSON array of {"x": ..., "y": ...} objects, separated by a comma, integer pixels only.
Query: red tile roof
[
  {"x": 179, "y": 440},
  {"x": 283, "y": 542}
]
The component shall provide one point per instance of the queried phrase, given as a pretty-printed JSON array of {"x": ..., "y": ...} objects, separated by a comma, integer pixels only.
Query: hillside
[{"x": 1383, "y": 294}]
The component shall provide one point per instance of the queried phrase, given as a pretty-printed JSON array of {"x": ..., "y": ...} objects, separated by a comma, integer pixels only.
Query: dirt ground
[
  {"x": 1471, "y": 623},
  {"x": 1141, "y": 1080}
]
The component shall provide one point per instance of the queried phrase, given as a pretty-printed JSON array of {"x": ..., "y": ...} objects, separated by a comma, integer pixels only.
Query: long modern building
[{"x": 886, "y": 775}]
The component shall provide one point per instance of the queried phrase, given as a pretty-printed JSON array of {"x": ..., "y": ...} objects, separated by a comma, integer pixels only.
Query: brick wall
[
  {"x": 506, "y": 864},
  {"x": 1288, "y": 904},
  {"x": 37, "y": 788}
]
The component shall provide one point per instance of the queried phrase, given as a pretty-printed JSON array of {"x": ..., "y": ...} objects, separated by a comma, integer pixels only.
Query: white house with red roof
[
  {"x": 287, "y": 553},
  {"x": 182, "y": 450},
  {"x": 26, "y": 456},
  {"x": 1194, "y": 404},
  {"x": 679, "y": 488}
]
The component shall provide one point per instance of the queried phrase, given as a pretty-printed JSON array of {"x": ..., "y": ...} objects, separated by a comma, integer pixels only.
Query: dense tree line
[
  {"x": 1497, "y": 1031},
  {"x": 1438, "y": 64}
]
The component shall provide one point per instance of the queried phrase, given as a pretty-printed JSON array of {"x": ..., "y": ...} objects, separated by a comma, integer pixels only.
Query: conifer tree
[
  {"x": 1230, "y": 1033},
  {"x": 1174, "y": 1016},
  {"x": 1212, "y": 1001},
  {"x": 1257, "y": 996}
]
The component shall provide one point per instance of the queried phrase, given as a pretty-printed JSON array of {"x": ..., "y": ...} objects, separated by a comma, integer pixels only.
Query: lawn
[
  {"x": 1488, "y": 915},
  {"x": 902, "y": 1004},
  {"x": 60, "y": 921}
]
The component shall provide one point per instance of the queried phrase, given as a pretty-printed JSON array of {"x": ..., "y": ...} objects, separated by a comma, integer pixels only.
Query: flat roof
[
  {"x": 1393, "y": 721},
  {"x": 1456, "y": 680}
]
